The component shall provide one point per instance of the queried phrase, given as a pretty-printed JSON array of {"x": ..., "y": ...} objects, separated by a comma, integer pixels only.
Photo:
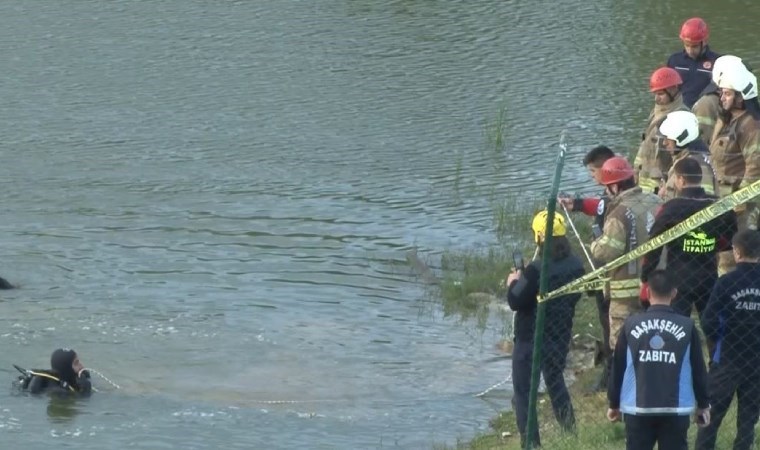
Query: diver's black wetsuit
[{"x": 37, "y": 381}]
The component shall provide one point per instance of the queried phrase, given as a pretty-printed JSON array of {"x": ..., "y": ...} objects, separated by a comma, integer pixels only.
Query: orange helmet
[
  {"x": 664, "y": 78},
  {"x": 694, "y": 30},
  {"x": 615, "y": 170}
]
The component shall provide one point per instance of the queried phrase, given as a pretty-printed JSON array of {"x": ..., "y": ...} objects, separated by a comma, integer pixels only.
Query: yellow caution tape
[{"x": 591, "y": 281}]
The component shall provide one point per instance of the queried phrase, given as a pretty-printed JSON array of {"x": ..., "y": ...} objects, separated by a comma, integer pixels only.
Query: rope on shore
[{"x": 500, "y": 383}]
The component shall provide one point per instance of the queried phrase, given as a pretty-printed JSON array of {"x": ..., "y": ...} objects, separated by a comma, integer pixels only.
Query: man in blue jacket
[
  {"x": 658, "y": 374},
  {"x": 695, "y": 62},
  {"x": 731, "y": 323}
]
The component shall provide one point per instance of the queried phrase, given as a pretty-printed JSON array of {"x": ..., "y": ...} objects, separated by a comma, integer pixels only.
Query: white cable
[
  {"x": 104, "y": 377},
  {"x": 583, "y": 247}
]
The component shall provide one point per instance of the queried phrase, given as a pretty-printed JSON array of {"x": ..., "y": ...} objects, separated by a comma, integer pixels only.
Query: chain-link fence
[{"x": 695, "y": 345}]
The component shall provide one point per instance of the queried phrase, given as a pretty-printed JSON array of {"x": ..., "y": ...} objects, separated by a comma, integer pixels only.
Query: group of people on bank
[{"x": 701, "y": 143}]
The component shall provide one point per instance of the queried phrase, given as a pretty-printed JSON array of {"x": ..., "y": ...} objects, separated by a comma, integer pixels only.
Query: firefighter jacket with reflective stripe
[
  {"x": 651, "y": 165},
  {"x": 630, "y": 215},
  {"x": 706, "y": 109},
  {"x": 735, "y": 153}
]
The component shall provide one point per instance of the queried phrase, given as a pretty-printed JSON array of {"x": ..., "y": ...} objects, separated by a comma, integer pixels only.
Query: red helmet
[
  {"x": 615, "y": 170},
  {"x": 664, "y": 78},
  {"x": 694, "y": 30}
]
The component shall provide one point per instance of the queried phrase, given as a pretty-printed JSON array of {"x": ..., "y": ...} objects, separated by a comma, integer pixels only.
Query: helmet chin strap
[{"x": 670, "y": 95}]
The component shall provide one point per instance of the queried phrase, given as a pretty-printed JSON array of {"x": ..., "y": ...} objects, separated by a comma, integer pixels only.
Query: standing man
[
  {"x": 680, "y": 130},
  {"x": 691, "y": 259},
  {"x": 650, "y": 165},
  {"x": 630, "y": 215},
  {"x": 735, "y": 147},
  {"x": 597, "y": 208},
  {"x": 731, "y": 324},
  {"x": 658, "y": 374},
  {"x": 522, "y": 296},
  {"x": 695, "y": 62},
  {"x": 707, "y": 108}
]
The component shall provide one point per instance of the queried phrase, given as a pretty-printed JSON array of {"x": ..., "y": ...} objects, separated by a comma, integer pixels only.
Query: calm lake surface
[{"x": 211, "y": 202}]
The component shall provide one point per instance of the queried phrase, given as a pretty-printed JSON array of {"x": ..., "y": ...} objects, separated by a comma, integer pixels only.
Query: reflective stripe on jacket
[{"x": 630, "y": 215}]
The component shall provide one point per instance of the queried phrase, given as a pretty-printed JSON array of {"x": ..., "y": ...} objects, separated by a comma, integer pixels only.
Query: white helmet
[
  {"x": 725, "y": 62},
  {"x": 739, "y": 79},
  {"x": 680, "y": 126}
]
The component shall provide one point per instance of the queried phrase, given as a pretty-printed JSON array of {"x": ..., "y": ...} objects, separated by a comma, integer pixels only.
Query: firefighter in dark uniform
[
  {"x": 692, "y": 258},
  {"x": 596, "y": 207},
  {"x": 522, "y": 297},
  {"x": 695, "y": 62},
  {"x": 658, "y": 374},
  {"x": 731, "y": 324}
]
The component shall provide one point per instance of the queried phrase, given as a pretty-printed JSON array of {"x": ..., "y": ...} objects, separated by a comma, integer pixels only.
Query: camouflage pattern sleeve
[
  {"x": 612, "y": 243},
  {"x": 751, "y": 152},
  {"x": 706, "y": 111},
  {"x": 638, "y": 161}
]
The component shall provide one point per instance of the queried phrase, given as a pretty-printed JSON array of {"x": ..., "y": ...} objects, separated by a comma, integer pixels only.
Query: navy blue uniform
[
  {"x": 696, "y": 74},
  {"x": 731, "y": 323},
  {"x": 692, "y": 258},
  {"x": 522, "y": 297},
  {"x": 658, "y": 378}
]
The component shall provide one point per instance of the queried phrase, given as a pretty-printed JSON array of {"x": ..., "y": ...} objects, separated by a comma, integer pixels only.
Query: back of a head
[
  {"x": 597, "y": 156},
  {"x": 689, "y": 169},
  {"x": 539, "y": 225},
  {"x": 747, "y": 244},
  {"x": 61, "y": 361},
  {"x": 661, "y": 286}
]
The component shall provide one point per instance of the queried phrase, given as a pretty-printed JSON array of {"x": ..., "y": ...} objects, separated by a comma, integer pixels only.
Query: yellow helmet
[{"x": 539, "y": 225}]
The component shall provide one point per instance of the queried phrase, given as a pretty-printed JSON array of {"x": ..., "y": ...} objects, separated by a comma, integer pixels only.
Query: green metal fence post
[{"x": 538, "y": 337}]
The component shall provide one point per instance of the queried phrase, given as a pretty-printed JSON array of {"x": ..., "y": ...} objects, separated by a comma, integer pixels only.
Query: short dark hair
[
  {"x": 626, "y": 184},
  {"x": 597, "y": 156},
  {"x": 661, "y": 283},
  {"x": 747, "y": 243},
  {"x": 689, "y": 169}
]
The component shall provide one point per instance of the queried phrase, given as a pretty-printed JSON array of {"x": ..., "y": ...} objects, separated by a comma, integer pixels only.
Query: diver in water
[{"x": 66, "y": 374}]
